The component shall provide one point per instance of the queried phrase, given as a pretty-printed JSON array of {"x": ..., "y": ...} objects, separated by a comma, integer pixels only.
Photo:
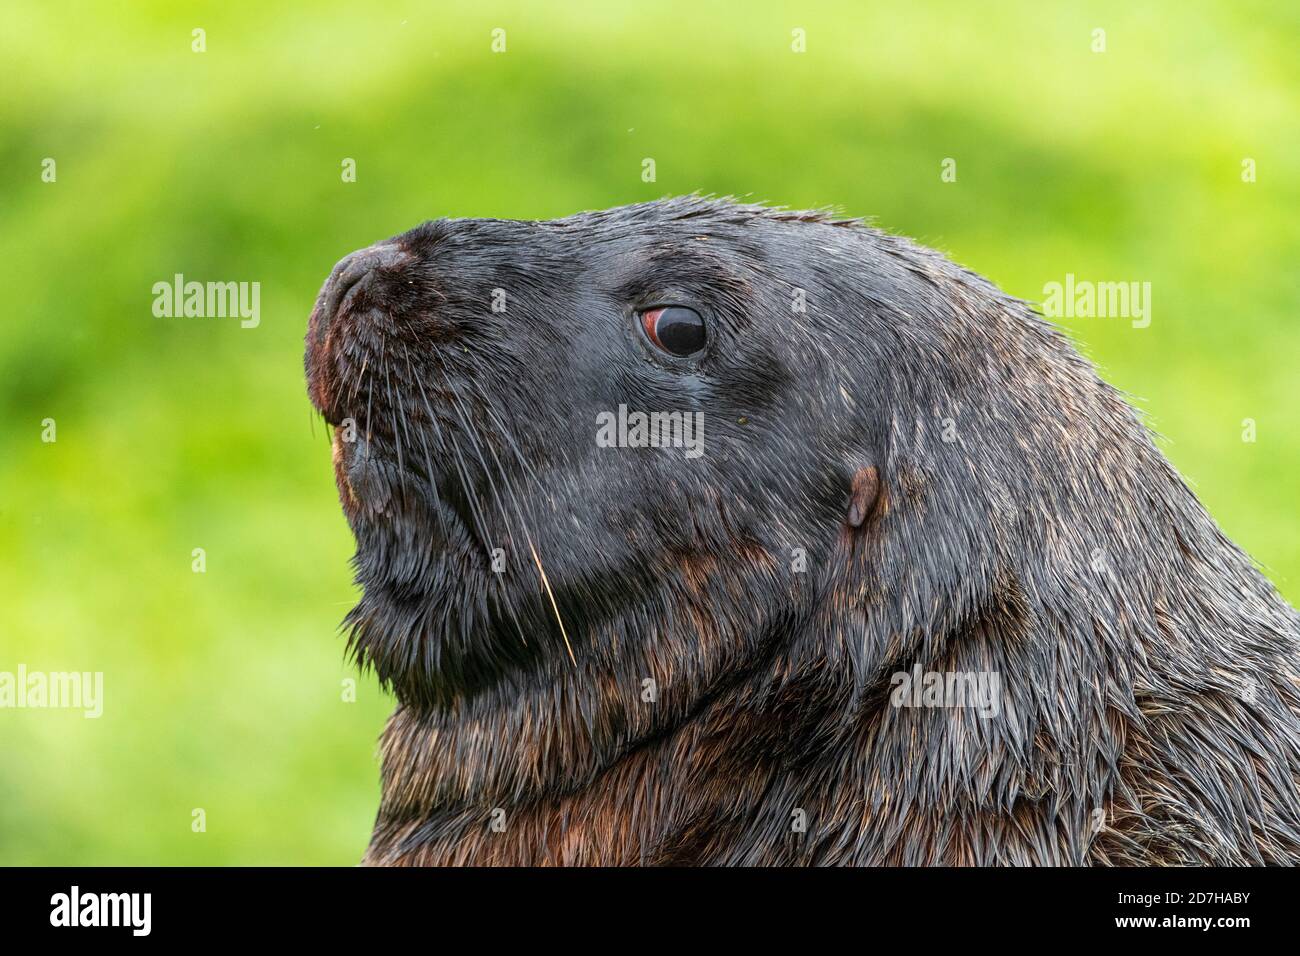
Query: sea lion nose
[{"x": 354, "y": 275}]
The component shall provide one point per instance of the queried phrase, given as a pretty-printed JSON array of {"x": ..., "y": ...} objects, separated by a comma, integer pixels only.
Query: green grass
[{"x": 222, "y": 690}]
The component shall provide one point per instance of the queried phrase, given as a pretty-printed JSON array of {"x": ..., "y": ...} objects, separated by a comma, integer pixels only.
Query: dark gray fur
[{"x": 1149, "y": 671}]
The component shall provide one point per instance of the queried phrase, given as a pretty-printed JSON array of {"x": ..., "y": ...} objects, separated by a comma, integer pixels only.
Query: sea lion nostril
[{"x": 351, "y": 271}]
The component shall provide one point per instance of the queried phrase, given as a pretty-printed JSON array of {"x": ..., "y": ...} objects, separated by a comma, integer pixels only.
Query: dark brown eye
[{"x": 675, "y": 329}]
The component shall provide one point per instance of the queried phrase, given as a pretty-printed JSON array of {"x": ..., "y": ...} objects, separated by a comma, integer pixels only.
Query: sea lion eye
[{"x": 675, "y": 329}]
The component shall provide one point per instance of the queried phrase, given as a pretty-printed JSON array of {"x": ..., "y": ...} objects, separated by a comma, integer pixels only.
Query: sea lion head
[
  {"x": 543, "y": 428},
  {"x": 659, "y": 433}
]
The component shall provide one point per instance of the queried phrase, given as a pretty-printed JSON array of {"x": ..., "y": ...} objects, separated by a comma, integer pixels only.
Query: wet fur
[{"x": 1150, "y": 702}]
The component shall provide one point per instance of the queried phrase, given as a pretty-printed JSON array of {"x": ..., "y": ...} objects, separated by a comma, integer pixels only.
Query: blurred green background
[{"x": 223, "y": 690}]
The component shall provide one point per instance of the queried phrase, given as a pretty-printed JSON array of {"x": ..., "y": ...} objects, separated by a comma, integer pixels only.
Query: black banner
[{"x": 554, "y": 907}]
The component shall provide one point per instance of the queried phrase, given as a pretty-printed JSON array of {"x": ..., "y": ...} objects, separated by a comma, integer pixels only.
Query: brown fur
[{"x": 1148, "y": 671}]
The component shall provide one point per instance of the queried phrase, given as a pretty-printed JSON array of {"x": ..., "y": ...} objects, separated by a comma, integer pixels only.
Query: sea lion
[{"x": 606, "y": 651}]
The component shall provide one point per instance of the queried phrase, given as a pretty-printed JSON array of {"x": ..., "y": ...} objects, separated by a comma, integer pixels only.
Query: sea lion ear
[{"x": 864, "y": 489}]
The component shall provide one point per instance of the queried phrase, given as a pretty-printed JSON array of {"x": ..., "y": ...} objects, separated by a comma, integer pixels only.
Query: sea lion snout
[
  {"x": 352, "y": 276},
  {"x": 365, "y": 290}
]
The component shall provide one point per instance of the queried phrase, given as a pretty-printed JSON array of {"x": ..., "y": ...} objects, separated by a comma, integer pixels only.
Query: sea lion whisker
[
  {"x": 401, "y": 420},
  {"x": 506, "y": 601},
  {"x": 523, "y": 523},
  {"x": 480, "y": 524},
  {"x": 428, "y": 457},
  {"x": 468, "y": 430},
  {"x": 359, "y": 377},
  {"x": 393, "y": 425},
  {"x": 546, "y": 584},
  {"x": 471, "y": 499},
  {"x": 370, "y": 395},
  {"x": 514, "y": 447},
  {"x": 501, "y": 469},
  {"x": 448, "y": 440}
]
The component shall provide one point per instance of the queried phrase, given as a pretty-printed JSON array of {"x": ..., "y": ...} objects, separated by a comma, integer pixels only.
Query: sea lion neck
[
  {"x": 542, "y": 734},
  {"x": 583, "y": 774}
]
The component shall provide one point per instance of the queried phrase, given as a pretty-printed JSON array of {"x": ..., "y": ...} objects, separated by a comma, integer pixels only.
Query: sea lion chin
[{"x": 608, "y": 651}]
